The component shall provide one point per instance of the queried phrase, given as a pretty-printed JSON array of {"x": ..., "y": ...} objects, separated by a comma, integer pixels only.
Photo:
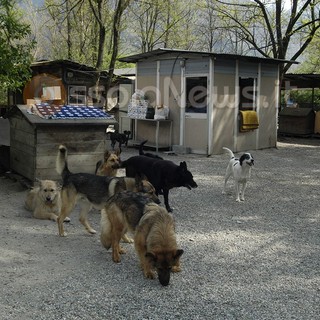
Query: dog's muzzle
[{"x": 191, "y": 186}]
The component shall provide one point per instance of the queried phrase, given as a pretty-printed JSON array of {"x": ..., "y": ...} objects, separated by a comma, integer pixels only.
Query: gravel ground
[{"x": 253, "y": 260}]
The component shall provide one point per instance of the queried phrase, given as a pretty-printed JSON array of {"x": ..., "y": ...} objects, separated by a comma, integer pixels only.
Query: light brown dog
[
  {"x": 45, "y": 200},
  {"x": 110, "y": 164},
  {"x": 154, "y": 240}
]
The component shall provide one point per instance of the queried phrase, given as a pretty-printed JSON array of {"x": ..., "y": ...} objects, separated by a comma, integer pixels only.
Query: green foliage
[
  {"x": 311, "y": 63},
  {"x": 304, "y": 97},
  {"x": 14, "y": 47}
]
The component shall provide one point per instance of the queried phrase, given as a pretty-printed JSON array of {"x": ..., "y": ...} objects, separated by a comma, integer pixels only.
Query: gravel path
[{"x": 253, "y": 260}]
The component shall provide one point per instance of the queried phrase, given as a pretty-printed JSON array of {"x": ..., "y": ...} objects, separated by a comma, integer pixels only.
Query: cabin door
[{"x": 196, "y": 114}]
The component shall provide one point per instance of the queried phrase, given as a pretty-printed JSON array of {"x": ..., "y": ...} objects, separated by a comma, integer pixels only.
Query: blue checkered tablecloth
[{"x": 80, "y": 112}]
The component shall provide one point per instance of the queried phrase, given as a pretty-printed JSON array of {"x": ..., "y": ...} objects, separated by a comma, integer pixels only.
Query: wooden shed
[
  {"x": 65, "y": 82},
  {"x": 34, "y": 143},
  {"x": 208, "y": 96},
  {"x": 297, "y": 121}
]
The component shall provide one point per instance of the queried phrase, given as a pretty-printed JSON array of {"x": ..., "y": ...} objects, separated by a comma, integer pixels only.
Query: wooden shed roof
[
  {"x": 301, "y": 80},
  {"x": 71, "y": 65}
]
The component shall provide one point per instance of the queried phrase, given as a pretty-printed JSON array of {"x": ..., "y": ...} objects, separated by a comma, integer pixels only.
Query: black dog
[
  {"x": 163, "y": 174},
  {"x": 148, "y": 154},
  {"x": 121, "y": 138}
]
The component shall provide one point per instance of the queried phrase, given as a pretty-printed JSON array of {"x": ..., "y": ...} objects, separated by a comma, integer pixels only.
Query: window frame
[{"x": 73, "y": 93}]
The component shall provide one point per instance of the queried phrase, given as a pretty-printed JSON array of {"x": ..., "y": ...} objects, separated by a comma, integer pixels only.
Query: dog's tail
[
  {"x": 141, "y": 153},
  {"x": 229, "y": 152},
  {"x": 61, "y": 162}
]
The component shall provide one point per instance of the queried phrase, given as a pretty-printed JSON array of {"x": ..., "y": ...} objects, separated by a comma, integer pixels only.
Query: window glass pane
[
  {"x": 77, "y": 95},
  {"x": 247, "y": 88},
  {"x": 196, "y": 99}
]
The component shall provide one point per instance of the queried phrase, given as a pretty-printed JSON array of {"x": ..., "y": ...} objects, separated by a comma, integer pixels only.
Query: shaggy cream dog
[{"x": 45, "y": 200}]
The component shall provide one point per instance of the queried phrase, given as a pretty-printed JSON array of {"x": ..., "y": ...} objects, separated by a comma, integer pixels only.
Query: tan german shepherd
[
  {"x": 154, "y": 240},
  {"x": 110, "y": 164},
  {"x": 92, "y": 190}
]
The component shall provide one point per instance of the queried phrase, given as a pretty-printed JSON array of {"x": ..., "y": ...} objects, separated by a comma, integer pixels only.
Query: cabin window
[
  {"x": 248, "y": 93},
  {"x": 51, "y": 93},
  {"x": 77, "y": 95},
  {"x": 197, "y": 94}
]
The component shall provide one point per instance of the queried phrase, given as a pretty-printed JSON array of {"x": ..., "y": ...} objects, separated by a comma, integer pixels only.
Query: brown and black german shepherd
[
  {"x": 154, "y": 240},
  {"x": 93, "y": 190},
  {"x": 110, "y": 164}
]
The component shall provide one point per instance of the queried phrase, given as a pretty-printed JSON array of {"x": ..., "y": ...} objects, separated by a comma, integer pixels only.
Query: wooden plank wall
[
  {"x": 34, "y": 149},
  {"x": 22, "y": 146},
  {"x": 85, "y": 144}
]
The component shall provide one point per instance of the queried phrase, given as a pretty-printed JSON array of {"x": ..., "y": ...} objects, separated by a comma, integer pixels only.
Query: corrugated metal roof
[
  {"x": 72, "y": 65},
  {"x": 301, "y": 80},
  {"x": 165, "y": 52},
  {"x": 62, "y": 62}
]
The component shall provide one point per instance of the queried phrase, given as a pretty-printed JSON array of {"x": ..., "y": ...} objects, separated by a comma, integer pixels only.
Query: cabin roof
[{"x": 165, "y": 53}]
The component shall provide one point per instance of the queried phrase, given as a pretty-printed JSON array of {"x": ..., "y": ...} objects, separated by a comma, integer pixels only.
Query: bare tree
[
  {"x": 158, "y": 23},
  {"x": 116, "y": 28},
  {"x": 270, "y": 29},
  {"x": 100, "y": 13}
]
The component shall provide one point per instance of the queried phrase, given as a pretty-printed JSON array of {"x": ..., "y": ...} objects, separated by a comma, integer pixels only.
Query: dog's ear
[
  {"x": 106, "y": 155},
  {"x": 242, "y": 158},
  {"x": 143, "y": 177},
  {"x": 183, "y": 165},
  {"x": 245, "y": 156},
  {"x": 138, "y": 181},
  {"x": 99, "y": 163},
  {"x": 37, "y": 182},
  {"x": 117, "y": 152},
  {"x": 178, "y": 253},
  {"x": 151, "y": 257}
]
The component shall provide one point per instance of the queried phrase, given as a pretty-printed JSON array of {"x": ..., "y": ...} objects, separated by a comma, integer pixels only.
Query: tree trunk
[{"x": 122, "y": 5}]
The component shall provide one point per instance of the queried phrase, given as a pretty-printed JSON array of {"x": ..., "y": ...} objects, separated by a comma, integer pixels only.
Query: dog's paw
[
  {"x": 127, "y": 239},
  {"x": 116, "y": 257},
  {"x": 238, "y": 200},
  {"x": 121, "y": 250},
  {"x": 176, "y": 269},
  {"x": 67, "y": 219},
  {"x": 92, "y": 231},
  {"x": 149, "y": 274}
]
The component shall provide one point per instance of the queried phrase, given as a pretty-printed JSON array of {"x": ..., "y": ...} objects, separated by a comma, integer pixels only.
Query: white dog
[
  {"x": 240, "y": 169},
  {"x": 45, "y": 200}
]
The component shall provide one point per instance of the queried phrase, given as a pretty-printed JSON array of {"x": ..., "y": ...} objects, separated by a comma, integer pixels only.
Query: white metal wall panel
[
  {"x": 248, "y": 69},
  {"x": 199, "y": 66},
  {"x": 224, "y": 66},
  {"x": 147, "y": 68},
  {"x": 170, "y": 67},
  {"x": 269, "y": 70}
]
